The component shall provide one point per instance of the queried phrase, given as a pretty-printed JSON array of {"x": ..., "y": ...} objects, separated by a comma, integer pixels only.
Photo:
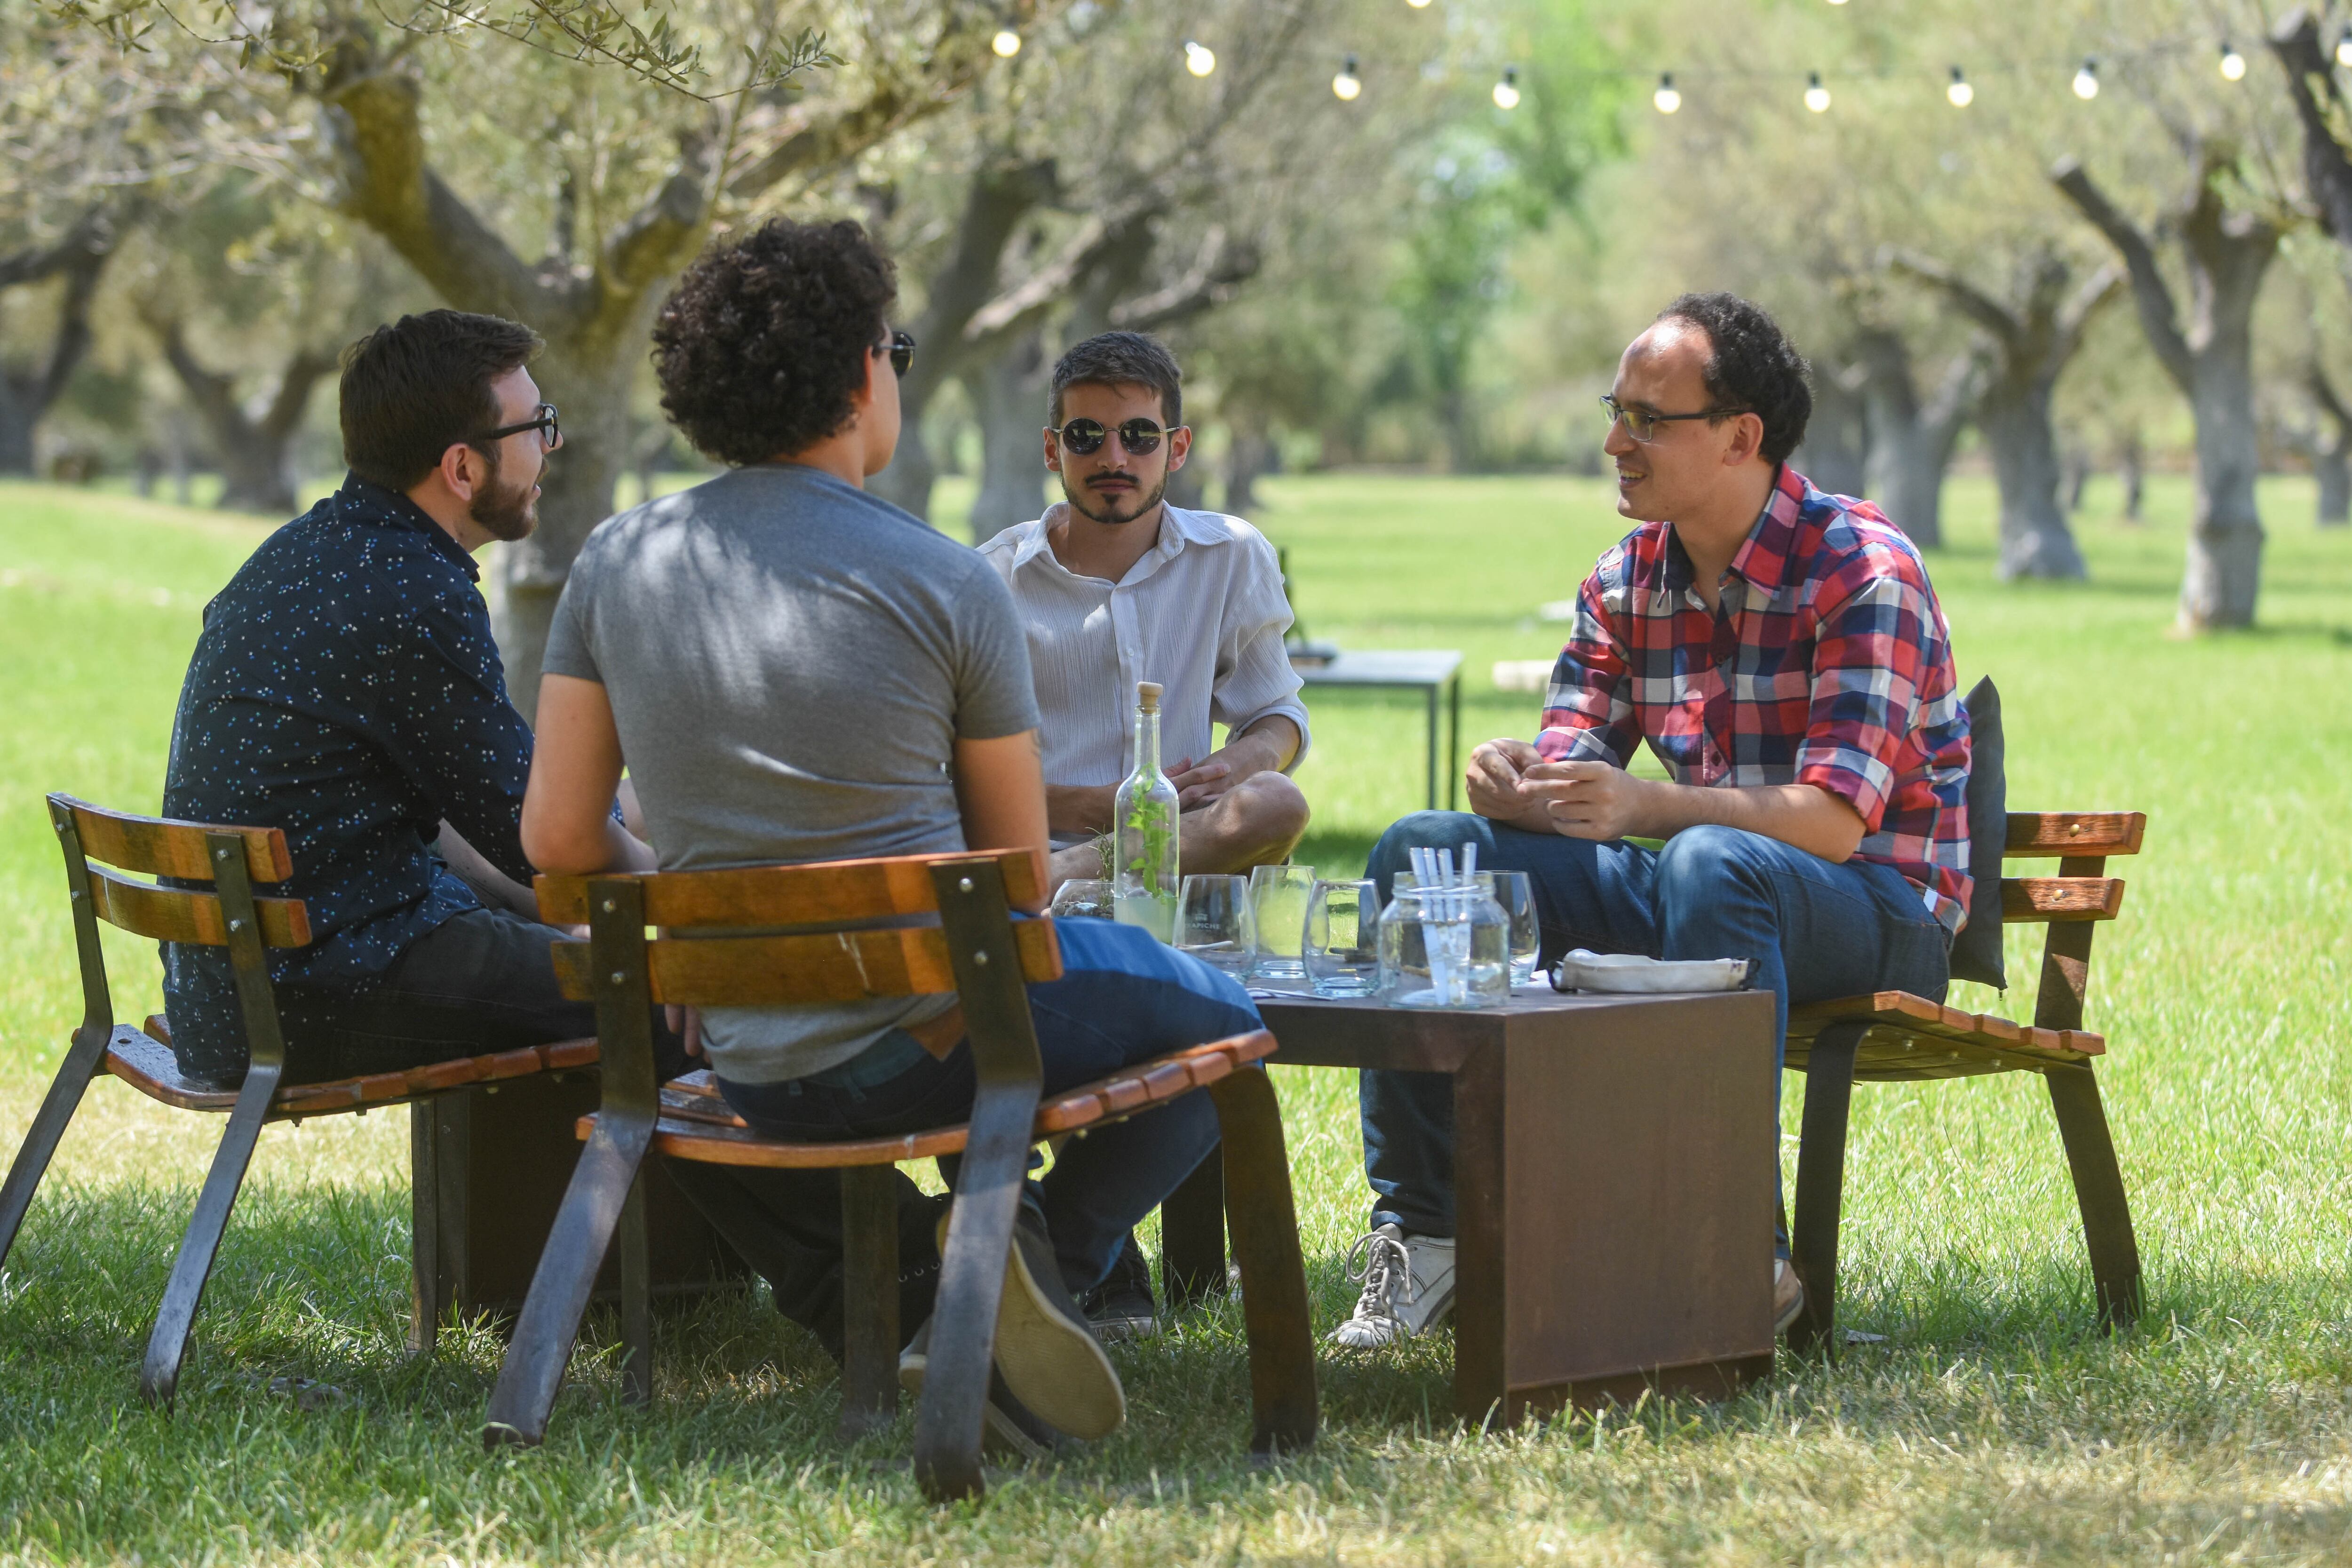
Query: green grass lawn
[{"x": 1992, "y": 1425}]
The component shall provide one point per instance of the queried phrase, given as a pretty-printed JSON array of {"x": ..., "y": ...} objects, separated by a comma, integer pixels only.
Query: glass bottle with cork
[{"x": 1145, "y": 877}]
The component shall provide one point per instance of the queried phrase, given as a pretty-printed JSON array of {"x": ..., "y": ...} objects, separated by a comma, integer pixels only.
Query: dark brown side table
[{"x": 1613, "y": 1169}]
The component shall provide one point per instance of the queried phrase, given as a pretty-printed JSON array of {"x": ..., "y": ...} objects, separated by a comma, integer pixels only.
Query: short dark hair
[
  {"x": 1750, "y": 366},
  {"x": 420, "y": 385},
  {"x": 761, "y": 346},
  {"x": 1120, "y": 358}
]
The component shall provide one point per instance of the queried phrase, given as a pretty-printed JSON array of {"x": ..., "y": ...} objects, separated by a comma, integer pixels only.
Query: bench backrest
[
  {"x": 2070, "y": 902},
  {"x": 835, "y": 954},
  {"x": 231, "y": 858},
  {"x": 834, "y": 951}
]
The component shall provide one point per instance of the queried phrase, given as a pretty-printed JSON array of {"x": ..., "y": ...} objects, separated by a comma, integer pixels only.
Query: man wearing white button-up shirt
[{"x": 1115, "y": 587}]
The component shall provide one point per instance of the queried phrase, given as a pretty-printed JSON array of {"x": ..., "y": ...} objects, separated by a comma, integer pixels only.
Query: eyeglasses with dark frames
[
  {"x": 1139, "y": 437},
  {"x": 1642, "y": 423},
  {"x": 542, "y": 419},
  {"x": 901, "y": 350}
]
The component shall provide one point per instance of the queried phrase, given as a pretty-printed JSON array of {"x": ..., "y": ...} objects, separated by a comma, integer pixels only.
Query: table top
[
  {"x": 1385, "y": 666},
  {"x": 1360, "y": 1032}
]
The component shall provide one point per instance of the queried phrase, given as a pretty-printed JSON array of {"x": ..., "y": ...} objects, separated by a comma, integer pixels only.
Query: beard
[
  {"x": 1108, "y": 508},
  {"x": 505, "y": 513}
]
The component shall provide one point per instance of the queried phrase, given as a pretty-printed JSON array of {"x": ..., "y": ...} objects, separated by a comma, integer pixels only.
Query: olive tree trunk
[
  {"x": 1911, "y": 439},
  {"x": 252, "y": 450},
  {"x": 27, "y": 392},
  {"x": 2026, "y": 346},
  {"x": 2226, "y": 253},
  {"x": 1837, "y": 440}
]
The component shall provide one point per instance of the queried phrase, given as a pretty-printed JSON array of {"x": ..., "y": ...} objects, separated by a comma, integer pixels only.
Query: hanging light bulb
[
  {"x": 2086, "y": 80},
  {"x": 1007, "y": 43},
  {"x": 1817, "y": 97},
  {"x": 1347, "y": 84},
  {"x": 2343, "y": 49},
  {"x": 2234, "y": 64},
  {"x": 1960, "y": 93},
  {"x": 1199, "y": 58},
  {"x": 1418, "y": 5},
  {"x": 1507, "y": 91},
  {"x": 1666, "y": 99}
]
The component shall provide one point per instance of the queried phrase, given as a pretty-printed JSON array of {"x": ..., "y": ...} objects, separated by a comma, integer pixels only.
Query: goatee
[{"x": 1109, "y": 514}]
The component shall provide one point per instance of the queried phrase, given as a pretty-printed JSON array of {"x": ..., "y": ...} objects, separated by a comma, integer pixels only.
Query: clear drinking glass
[
  {"x": 1214, "y": 922},
  {"x": 1082, "y": 899},
  {"x": 1340, "y": 944},
  {"x": 1278, "y": 899},
  {"x": 1516, "y": 891}
]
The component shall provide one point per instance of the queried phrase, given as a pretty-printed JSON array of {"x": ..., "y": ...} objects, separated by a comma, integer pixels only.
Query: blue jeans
[
  {"x": 1813, "y": 929},
  {"x": 1123, "y": 998}
]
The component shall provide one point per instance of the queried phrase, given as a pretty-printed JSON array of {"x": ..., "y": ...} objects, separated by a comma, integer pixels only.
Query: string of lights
[{"x": 1666, "y": 98}]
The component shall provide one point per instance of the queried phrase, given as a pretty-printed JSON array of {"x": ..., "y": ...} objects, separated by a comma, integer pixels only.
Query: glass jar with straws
[{"x": 1445, "y": 942}]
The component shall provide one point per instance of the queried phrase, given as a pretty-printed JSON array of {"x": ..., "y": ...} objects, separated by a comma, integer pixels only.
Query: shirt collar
[
  {"x": 1178, "y": 527},
  {"x": 366, "y": 501}
]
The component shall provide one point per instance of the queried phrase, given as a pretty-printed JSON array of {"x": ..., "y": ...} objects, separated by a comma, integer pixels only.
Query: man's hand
[
  {"x": 686, "y": 1022},
  {"x": 1263, "y": 748},
  {"x": 1592, "y": 800},
  {"x": 1495, "y": 783}
]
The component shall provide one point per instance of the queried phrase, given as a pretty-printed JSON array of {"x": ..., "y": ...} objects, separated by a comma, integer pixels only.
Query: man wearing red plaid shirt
[{"x": 1782, "y": 654}]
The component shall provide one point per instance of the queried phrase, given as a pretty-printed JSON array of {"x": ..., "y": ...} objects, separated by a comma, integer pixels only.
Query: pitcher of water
[{"x": 1442, "y": 948}]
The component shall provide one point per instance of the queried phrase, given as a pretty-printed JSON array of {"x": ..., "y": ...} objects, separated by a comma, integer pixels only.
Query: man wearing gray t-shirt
[{"x": 793, "y": 670}]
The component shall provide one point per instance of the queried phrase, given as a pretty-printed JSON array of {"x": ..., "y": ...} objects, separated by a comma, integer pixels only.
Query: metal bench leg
[
  {"x": 83, "y": 1060},
  {"x": 1273, "y": 1276},
  {"x": 1192, "y": 1237},
  {"x": 869, "y": 1299},
  {"x": 2099, "y": 1190},
  {"x": 971, "y": 1287},
  {"x": 1820, "y": 1183},
  {"x": 602, "y": 1186},
  {"x": 167, "y": 1346},
  {"x": 424, "y": 1228}
]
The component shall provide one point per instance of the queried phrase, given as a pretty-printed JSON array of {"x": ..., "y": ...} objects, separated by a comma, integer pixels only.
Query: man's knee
[
  {"x": 1423, "y": 829},
  {"x": 1703, "y": 862},
  {"x": 1276, "y": 807}
]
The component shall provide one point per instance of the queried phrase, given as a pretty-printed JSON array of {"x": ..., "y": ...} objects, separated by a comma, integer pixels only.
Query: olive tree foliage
[
  {"x": 83, "y": 148},
  {"x": 525, "y": 169},
  {"x": 1092, "y": 182},
  {"x": 251, "y": 295}
]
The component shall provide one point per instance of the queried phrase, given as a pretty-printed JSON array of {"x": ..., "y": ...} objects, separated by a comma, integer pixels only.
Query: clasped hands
[{"x": 1509, "y": 781}]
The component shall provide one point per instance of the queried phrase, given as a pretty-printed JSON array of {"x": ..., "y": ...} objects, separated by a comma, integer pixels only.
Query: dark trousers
[
  {"x": 1813, "y": 931},
  {"x": 484, "y": 981},
  {"x": 1123, "y": 998}
]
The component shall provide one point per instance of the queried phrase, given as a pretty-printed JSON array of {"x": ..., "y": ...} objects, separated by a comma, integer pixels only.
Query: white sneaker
[{"x": 1408, "y": 1287}]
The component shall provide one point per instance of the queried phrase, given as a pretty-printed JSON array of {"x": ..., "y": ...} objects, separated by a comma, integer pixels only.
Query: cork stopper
[{"x": 1147, "y": 696}]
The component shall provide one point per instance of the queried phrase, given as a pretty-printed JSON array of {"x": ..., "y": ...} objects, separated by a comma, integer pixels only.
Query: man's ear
[
  {"x": 861, "y": 400},
  {"x": 463, "y": 470},
  {"x": 1746, "y": 439},
  {"x": 1053, "y": 453},
  {"x": 1179, "y": 446}
]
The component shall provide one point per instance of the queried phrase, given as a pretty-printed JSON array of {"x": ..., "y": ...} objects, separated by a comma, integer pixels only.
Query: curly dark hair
[
  {"x": 1751, "y": 366},
  {"x": 763, "y": 343}
]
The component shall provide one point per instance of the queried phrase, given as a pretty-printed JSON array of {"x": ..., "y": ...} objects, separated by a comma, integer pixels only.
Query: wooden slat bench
[
  {"x": 977, "y": 952},
  {"x": 1894, "y": 1036},
  {"x": 230, "y": 860}
]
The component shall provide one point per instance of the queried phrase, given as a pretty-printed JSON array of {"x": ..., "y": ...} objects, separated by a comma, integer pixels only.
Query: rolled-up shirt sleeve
[
  {"x": 1869, "y": 655},
  {"x": 1589, "y": 710},
  {"x": 1254, "y": 679}
]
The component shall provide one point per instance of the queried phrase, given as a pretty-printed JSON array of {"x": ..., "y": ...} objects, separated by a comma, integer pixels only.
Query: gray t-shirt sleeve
[
  {"x": 994, "y": 694},
  {"x": 568, "y": 651}
]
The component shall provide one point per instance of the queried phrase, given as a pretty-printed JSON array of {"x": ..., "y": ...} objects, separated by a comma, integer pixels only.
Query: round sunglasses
[{"x": 1138, "y": 437}]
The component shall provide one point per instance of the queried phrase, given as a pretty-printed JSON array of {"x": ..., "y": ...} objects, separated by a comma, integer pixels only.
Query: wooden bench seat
[
  {"x": 696, "y": 1124},
  {"x": 143, "y": 1060},
  {"x": 1895, "y": 1036}
]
